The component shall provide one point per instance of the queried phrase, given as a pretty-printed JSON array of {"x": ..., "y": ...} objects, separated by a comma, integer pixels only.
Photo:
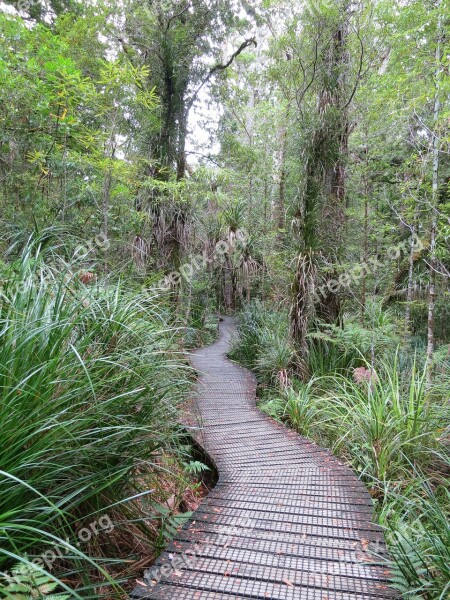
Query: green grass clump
[
  {"x": 416, "y": 517},
  {"x": 369, "y": 402},
  {"x": 89, "y": 382},
  {"x": 263, "y": 344}
]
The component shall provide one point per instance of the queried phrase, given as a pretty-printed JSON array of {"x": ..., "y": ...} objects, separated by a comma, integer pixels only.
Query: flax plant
[{"x": 90, "y": 380}]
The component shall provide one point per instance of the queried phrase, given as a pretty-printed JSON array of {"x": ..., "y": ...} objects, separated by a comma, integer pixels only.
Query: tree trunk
[
  {"x": 281, "y": 197},
  {"x": 105, "y": 207},
  {"x": 181, "y": 150},
  {"x": 366, "y": 250},
  {"x": 233, "y": 282},
  {"x": 301, "y": 305},
  {"x": 366, "y": 227},
  {"x": 434, "y": 201},
  {"x": 431, "y": 302},
  {"x": 333, "y": 149},
  {"x": 409, "y": 290}
]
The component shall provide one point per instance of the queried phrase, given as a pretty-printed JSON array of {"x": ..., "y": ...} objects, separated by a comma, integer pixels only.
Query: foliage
[
  {"x": 61, "y": 121},
  {"x": 418, "y": 531},
  {"x": 263, "y": 344},
  {"x": 27, "y": 582},
  {"x": 90, "y": 385},
  {"x": 385, "y": 425},
  {"x": 375, "y": 337}
]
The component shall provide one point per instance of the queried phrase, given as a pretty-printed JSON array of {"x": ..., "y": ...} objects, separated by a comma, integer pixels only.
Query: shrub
[
  {"x": 418, "y": 534},
  {"x": 383, "y": 425},
  {"x": 263, "y": 344},
  {"x": 90, "y": 385}
]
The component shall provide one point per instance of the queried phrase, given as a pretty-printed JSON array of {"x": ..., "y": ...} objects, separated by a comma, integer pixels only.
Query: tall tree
[
  {"x": 436, "y": 145},
  {"x": 326, "y": 65},
  {"x": 178, "y": 41}
]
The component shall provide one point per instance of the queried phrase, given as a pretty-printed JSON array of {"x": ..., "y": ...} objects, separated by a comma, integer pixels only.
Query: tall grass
[
  {"x": 383, "y": 426},
  {"x": 263, "y": 344},
  {"x": 391, "y": 428},
  {"x": 418, "y": 532},
  {"x": 89, "y": 384}
]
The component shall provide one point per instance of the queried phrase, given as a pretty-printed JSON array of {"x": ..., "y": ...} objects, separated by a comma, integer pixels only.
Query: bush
[
  {"x": 418, "y": 534},
  {"x": 326, "y": 357},
  {"x": 263, "y": 344},
  {"x": 337, "y": 349},
  {"x": 383, "y": 426},
  {"x": 90, "y": 385}
]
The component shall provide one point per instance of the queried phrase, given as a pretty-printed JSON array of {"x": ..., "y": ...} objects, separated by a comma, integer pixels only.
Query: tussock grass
[
  {"x": 391, "y": 428},
  {"x": 90, "y": 379}
]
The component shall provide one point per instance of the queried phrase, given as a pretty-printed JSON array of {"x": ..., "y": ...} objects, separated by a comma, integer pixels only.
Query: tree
[{"x": 176, "y": 40}]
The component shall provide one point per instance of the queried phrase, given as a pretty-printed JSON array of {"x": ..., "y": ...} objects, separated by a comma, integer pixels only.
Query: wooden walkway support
[{"x": 286, "y": 520}]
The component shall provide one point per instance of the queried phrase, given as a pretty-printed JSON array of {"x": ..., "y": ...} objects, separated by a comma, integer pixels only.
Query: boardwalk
[{"x": 286, "y": 519}]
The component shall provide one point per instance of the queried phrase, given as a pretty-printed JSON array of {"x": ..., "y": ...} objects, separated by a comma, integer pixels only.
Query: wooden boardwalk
[{"x": 286, "y": 520}]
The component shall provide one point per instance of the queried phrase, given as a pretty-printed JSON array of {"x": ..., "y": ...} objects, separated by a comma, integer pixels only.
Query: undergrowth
[
  {"x": 91, "y": 377},
  {"x": 367, "y": 400}
]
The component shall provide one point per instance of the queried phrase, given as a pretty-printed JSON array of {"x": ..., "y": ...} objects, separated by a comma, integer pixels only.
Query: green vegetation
[
  {"x": 162, "y": 162},
  {"x": 90, "y": 379},
  {"x": 380, "y": 417}
]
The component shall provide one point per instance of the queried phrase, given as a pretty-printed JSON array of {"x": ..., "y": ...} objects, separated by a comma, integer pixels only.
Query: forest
[{"x": 165, "y": 162}]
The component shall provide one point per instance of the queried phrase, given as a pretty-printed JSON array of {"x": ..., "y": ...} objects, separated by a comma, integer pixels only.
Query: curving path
[{"x": 285, "y": 521}]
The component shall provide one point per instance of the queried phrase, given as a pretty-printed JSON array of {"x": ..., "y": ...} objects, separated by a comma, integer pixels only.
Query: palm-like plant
[
  {"x": 233, "y": 218},
  {"x": 248, "y": 266}
]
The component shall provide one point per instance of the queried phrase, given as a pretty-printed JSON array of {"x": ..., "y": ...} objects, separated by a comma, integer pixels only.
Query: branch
[
  {"x": 444, "y": 273},
  {"x": 313, "y": 76},
  {"x": 176, "y": 16},
  {"x": 221, "y": 67},
  {"x": 358, "y": 77},
  {"x": 207, "y": 157},
  {"x": 241, "y": 48}
]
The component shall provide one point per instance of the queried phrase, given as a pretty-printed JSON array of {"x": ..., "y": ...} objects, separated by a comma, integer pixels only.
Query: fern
[
  {"x": 27, "y": 582},
  {"x": 195, "y": 467},
  {"x": 380, "y": 336},
  {"x": 169, "y": 524}
]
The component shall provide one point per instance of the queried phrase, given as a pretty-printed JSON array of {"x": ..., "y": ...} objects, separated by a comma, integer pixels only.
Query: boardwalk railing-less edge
[{"x": 286, "y": 519}]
